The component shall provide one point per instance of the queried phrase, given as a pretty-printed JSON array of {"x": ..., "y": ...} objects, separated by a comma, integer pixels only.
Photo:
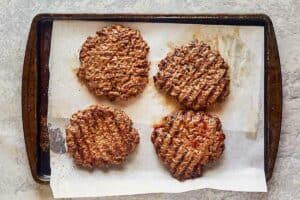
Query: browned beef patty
[
  {"x": 195, "y": 75},
  {"x": 186, "y": 141},
  {"x": 100, "y": 136},
  {"x": 114, "y": 63}
]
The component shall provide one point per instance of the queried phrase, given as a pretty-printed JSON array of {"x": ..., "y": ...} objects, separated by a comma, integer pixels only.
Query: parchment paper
[{"x": 242, "y": 165}]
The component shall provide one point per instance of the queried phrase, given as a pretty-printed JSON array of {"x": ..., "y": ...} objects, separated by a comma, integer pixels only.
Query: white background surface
[{"x": 15, "y": 19}]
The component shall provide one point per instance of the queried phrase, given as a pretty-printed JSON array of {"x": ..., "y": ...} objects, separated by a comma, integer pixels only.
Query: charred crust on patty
[
  {"x": 195, "y": 75},
  {"x": 100, "y": 136},
  {"x": 114, "y": 63},
  {"x": 186, "y": 141}
]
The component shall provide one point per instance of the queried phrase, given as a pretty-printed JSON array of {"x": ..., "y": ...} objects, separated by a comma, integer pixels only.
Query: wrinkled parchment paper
[{"x": 242, "y": 165}]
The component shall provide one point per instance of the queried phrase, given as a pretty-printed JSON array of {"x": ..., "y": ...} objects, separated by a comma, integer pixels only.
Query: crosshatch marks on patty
[
  {"x": 114, "y": 63},
  {"x": 100, "y": 136},
  {"x": 186, "y": 141},
  {"x": 195, "y": 75}
]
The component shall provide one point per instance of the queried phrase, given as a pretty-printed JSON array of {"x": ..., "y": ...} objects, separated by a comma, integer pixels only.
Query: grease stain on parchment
[
  {"x": 171, "y": 45},
  {"x": 234, "y": 51},
  {"x": 225, "y": 40},
  {"x": 170, "y": 103},
  {"x": 75, "y": 70},
  {"x": 57, "y": 140},
  {"x": 253, "y": 119},
  {"x": 228, "y": 42}
]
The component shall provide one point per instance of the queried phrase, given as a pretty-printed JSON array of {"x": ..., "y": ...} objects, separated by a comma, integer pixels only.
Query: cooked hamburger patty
[
  {"x": 100, "y": 136},
  {"x": 185, "y": 141},
  {"x": 114, "y": 63},
  {"x": 194, "y": 74}
]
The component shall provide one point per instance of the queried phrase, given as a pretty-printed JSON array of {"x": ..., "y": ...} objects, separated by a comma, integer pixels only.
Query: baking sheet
[{"x": 242, "y": 165}]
